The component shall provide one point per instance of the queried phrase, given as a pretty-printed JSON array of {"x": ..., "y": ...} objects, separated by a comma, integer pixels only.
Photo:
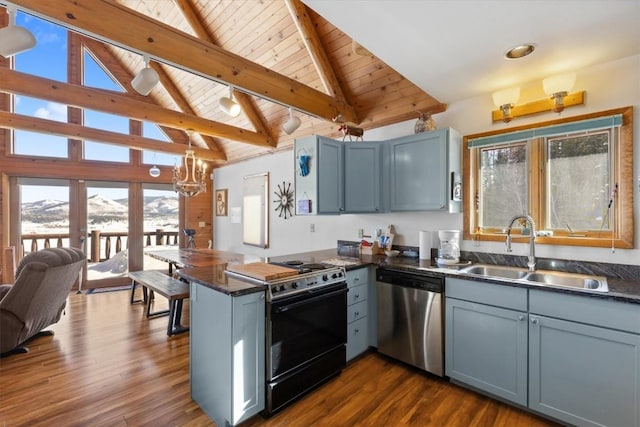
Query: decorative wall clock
[{"x": 284, "y": 200}]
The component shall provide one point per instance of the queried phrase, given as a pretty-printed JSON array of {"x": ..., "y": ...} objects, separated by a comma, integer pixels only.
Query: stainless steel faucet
[{"x": 532, "y": 237}]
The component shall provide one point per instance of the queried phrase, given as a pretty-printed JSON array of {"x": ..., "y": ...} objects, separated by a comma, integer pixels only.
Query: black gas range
[{"x": 306, "y": 331}]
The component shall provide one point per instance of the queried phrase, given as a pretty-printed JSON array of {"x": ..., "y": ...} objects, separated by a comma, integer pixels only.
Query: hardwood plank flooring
[{"x": 108, "y": 365}]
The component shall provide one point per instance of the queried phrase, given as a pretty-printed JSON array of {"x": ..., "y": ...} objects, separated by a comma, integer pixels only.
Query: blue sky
[{"x": 48, "y": 59}]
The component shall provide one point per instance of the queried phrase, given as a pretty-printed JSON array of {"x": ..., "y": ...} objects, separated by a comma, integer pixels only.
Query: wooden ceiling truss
[{"x": 274, "y": 54}]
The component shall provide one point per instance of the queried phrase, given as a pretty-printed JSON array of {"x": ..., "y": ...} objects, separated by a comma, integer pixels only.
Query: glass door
[
  {"x": 107, "y": 225},
  {"x": 161, "y": 207},
  {"x": 44, "y": 215}
]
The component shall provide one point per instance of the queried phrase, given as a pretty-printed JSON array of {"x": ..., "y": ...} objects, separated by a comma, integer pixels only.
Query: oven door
[{"x": 304, "y": 327}]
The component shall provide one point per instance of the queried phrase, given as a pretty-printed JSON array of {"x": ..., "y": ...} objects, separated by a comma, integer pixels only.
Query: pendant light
[
  {"x": 192, "y": 181},
  {"x": 15, "y": 39},
  {"x": 154, "y": 170}
]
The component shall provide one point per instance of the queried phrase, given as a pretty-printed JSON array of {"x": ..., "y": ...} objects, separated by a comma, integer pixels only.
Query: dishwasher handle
[{"x": 409, "y": 280}]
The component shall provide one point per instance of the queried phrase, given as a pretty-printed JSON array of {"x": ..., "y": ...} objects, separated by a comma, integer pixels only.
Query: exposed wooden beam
[
  {"x": 111, "y": 102},
  {"x": 123, "y": 77},
  {"x": 311, "y": 40},
  {"x": 178, "y": 97},
  {"x": 117, "y": 24},
  {"x": 195, "y": 21},
  {"x": 75, "y": 131},
  {"x": 248, "y": 107}
]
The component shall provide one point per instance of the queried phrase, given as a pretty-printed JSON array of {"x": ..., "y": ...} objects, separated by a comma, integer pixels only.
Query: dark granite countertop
[
  {"x": 214, "y": 277},
  {"x": 620, "y": 289}
]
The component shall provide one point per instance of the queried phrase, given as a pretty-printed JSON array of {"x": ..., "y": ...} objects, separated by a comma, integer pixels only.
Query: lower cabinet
[
  {"x": 486, "y": 345},
  {"x": 357, "y": 312},
  {"x": 570, "y": 357},
  {"x": 487, "y": 348},
  {"x": 227, "y": 354},
  {"x": 584, "y": 374}
]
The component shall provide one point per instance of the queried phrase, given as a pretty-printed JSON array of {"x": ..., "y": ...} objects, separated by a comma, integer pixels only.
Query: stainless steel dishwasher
[{"x": 409, "y": 318}]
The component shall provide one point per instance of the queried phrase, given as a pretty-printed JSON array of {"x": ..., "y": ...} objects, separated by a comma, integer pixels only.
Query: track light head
[
  {"x": 15, "y": 39},
  {"x": 229, "y": 106},
  {"x": 292, "y": 124},
  {"x": 146, "y": 79}
]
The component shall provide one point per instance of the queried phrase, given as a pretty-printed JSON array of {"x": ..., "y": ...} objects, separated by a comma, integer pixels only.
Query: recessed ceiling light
[{"x": 520, "y": 51}]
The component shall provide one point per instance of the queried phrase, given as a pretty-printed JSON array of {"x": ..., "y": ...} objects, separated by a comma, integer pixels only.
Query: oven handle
[{"x": 282, "y": 309}]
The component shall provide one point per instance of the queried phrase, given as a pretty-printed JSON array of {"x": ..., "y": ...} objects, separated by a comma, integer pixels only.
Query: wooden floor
[{"x": 108, "y": 365}]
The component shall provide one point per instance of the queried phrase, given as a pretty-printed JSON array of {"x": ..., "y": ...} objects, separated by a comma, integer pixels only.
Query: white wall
[{"x": 612, "y": 85}]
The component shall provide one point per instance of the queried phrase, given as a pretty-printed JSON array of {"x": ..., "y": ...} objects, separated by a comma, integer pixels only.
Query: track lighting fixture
[
  {"x": 15, "y": 39},
  {"x": 228, "y": 105},
  {"x": 146, "y": 79},
  {"x": 292, "y": 124}
]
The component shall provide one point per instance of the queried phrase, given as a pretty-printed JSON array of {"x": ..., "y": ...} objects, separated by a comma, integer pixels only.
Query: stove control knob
[
  {"x": 282, "y": 288},
  {"x": 294, "y": 285},
  {"x": 334, "y": 276},
  {"x": 324, "y": 277}
]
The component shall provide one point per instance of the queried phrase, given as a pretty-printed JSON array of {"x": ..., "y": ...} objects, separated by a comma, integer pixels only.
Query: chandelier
[{"x": 193, "y": 182}]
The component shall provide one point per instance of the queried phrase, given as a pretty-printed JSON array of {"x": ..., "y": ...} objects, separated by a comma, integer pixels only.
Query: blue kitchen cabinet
[
  {"x": 362, "y": 177},
  {"x": 357, "y": 312},
  {"x": 227, "y": 354},
  {"x": 486, "y": 345},
  {"x": 341, "y": 177},
  {"x": 572, "y": 357},
  {"x": 330, "y": 176},
  {"x": 424, "y": 172},
  {"x": 584, "y": 359}
]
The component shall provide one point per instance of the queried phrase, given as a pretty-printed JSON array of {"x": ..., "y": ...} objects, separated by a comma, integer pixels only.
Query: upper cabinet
[
  {"x": 414, "y": 173},
  {"x": 362, "y": 177},
  {"x": 424, "y": 172},
  {"x": 334, "y": 177},
  {"x": 330, "y": 173}
]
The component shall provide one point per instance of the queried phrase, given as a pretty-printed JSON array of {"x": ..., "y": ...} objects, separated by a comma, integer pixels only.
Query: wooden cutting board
[{"x": 262, "y": 271}]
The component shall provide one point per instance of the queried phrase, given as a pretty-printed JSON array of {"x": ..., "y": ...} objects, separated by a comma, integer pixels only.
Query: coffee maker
[{"x": 449, "y": 249}]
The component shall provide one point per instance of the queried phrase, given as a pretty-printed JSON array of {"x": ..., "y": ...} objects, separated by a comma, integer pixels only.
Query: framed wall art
[{"x": 221, "y": 202}]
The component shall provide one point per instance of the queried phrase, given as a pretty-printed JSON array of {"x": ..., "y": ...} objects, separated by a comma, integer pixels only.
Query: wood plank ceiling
[{"x": 301, "y": 58}]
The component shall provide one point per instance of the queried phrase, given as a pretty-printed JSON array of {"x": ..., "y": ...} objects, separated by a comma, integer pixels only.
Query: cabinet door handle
[
  {"x": 521, "y": 317},
  {"x": 356, "y": 279},
  {"x": 356, "y": 296},
  {"x": 356, "y": 314},
  {"x": 534, "y": 321},
  {"x": 356, "y": 331}
]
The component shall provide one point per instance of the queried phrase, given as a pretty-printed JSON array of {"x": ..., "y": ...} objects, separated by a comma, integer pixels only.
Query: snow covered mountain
[{"x": 101, "y": 209}]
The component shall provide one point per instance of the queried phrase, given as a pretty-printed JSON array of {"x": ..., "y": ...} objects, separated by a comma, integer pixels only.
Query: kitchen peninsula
[{"x": 228, "y": 323}]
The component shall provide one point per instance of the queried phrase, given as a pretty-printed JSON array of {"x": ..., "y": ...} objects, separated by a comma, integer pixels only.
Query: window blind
[{"x": 564, "y": 128}]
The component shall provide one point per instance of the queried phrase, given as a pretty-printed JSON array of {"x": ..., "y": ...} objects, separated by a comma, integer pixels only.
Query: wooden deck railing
[{"x": 101, "y": 243}]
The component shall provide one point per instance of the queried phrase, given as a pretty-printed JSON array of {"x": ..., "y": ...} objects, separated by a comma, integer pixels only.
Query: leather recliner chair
[{"x": 38, "y": 296}]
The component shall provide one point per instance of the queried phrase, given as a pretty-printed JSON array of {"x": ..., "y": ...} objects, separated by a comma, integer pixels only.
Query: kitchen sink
[
  {"x": 542, "y": 277},
  {"x": 495, "y": 271},
  {"x": 569, "y": 280}
]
